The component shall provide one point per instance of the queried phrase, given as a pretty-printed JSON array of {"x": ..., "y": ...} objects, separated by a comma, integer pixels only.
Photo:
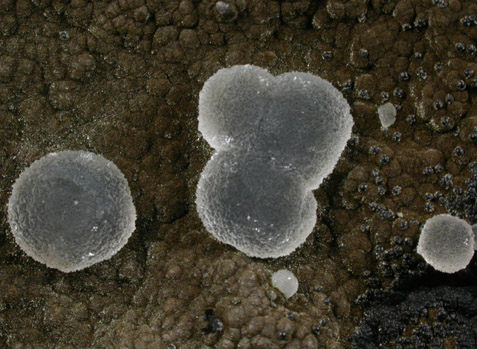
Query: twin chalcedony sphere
[{"x": 275, "y": 138}]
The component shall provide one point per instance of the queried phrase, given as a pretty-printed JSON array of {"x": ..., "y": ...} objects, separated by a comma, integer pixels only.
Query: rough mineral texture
[
  {"x": 276, "y": 138},
  {"x": 71, "y": 209},
  {"x": 122, "y": 78},
  {"x": 446, "y": 243}
]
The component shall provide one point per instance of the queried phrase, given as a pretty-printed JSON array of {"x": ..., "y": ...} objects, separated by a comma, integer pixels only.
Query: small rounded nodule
[
  {"x": 446, "y": 243},
  {"x": 286, "y": 282}
]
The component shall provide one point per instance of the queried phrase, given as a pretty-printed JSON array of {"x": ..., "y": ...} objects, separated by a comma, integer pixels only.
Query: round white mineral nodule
[
  {"x": 387, "y": 115},
  {"x": 446, "y": 243},
  {"x": 276, "y": 139},
  {"x": 71, "y": 209},
  {"x": 286, "y": 282}
]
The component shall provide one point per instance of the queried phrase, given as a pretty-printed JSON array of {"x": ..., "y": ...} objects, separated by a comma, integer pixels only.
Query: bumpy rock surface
[
  {"x": 439, "y": 317},
  {"x": 122, "y": 79}
]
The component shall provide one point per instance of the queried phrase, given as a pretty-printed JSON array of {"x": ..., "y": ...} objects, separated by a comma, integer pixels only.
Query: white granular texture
[
  {"x": 71, "y": 209},
  {"x": 276, "y": 139},
  {"x": 446, "y": 243}
]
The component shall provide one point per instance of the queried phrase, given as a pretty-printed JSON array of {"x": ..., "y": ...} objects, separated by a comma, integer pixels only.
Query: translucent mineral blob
[
  {"x": 286, "y": 282},
  {"x": 446, "y": 243},
  {"x": 71, "y": 209},
  {"x": 387, "y": 114},
  {"x": 276, "y": 139}
]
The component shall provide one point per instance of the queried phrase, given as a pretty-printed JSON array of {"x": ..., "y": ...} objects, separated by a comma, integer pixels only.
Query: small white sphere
[
  {"x": 286, "y": 282},
  {"x": 387, "y": 114},
  {"x": 446, "y": 243}
]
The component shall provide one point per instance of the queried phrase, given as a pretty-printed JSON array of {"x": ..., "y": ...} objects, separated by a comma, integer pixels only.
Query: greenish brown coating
[{"x": 122, "y": 78}]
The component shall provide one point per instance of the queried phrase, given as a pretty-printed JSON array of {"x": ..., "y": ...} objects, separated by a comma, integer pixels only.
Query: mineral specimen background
[{"x": 121, "y": 79}]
